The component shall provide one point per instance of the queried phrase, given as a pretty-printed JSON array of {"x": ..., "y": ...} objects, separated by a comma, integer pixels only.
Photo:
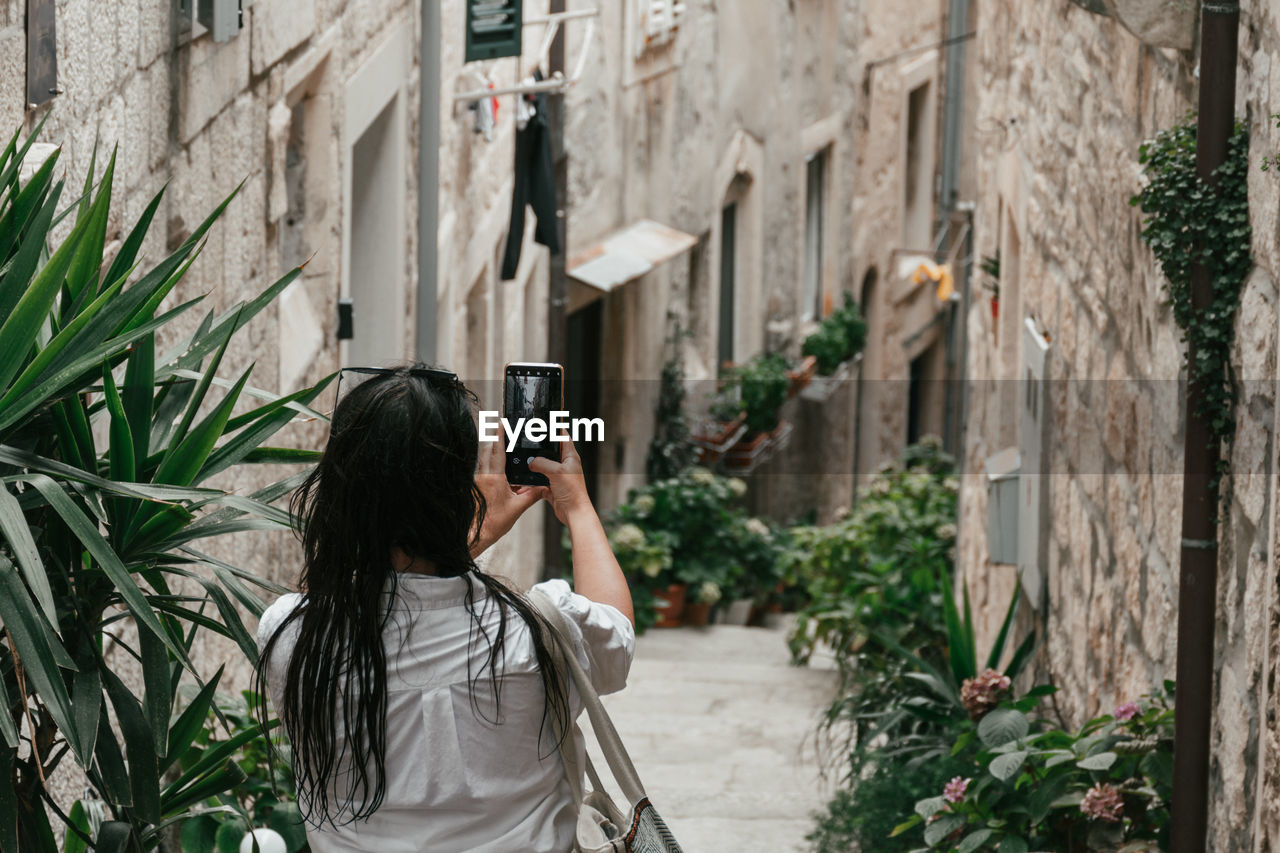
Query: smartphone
[{"x": 531, "y": 390}]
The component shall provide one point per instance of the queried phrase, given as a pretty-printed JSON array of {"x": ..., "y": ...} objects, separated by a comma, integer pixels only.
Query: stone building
[{"x": 1080, "y": 374}]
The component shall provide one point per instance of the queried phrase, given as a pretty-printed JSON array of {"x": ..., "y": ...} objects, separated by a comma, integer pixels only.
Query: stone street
[{"x": 722, "y": 730}]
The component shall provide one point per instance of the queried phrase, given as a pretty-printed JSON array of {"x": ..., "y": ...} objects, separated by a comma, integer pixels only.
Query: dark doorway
[
  {"x": 582, "y": 381},
  {"x": 728, "y": 258},
  {"x": 915, "y": 398}
]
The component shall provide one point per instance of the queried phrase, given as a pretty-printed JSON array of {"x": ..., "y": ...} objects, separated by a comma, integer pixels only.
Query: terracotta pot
[
  {"x": 713, "y": 438},
  {"x": 803, "y": 373},
  {"x": 696, "y": 614},
  {"x": 670, "y": 605},
  {"x": 995, "y": 308}
]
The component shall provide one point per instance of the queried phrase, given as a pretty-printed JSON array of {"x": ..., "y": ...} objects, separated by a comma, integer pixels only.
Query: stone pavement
[{"x": 722, "y": 732}]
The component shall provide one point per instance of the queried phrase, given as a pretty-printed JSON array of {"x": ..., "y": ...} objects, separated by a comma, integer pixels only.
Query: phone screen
[{"x": 531, "y": 392}]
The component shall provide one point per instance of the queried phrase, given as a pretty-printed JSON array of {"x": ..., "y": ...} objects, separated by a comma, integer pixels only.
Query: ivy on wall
[{"x": 1189, "y": 221}]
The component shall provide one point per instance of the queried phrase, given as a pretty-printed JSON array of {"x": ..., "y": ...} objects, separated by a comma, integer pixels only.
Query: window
[
  {"x": 811, "y": 306},
  {"x": 917, "y": 199},
  {"x": 658, "y": 21},
  {"x": 728, "y": 252}
]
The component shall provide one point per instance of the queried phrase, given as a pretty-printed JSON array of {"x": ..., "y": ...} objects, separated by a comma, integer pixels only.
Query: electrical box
[
  {"x": 1002, "y": 506},
  {"x": 222, "y": 18},
  {"x": 493, "y": 29}
]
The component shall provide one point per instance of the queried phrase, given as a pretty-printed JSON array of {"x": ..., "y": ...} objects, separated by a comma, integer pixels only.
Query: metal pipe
[
  {"x": 428, "y": 177},
  {"x": 554, "y": 85},
  {"x": 1198, "y": 577},
  {"x": 558, "y": 280},
  {"x": 957, "y": 25}
]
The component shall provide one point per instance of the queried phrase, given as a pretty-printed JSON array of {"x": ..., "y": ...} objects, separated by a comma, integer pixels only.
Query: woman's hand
[
  {"x": 505, "y": 504},
  {"x": 568, "y": 490}
]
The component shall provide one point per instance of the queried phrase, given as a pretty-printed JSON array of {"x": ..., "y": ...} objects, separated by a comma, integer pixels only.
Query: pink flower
[
  {"x": 954, "y": 790},
  {"x": 1126, "y": 711},
  {"x": 982, "y": 694},
  {"x": 1103, "y": 802}
]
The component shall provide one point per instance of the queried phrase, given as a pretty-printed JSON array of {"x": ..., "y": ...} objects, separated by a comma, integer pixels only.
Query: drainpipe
[
  {"x": 1198, "y": 580},
  {"x": 428, "y": 176},
  {"x": 558, "y": 280},
  {"x": 952, "y": 119}
]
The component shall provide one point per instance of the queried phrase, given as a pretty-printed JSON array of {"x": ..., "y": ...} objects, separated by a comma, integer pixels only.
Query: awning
[{"x": 628, "y": 254}]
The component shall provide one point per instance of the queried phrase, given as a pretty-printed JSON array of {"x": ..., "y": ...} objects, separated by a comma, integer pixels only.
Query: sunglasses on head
[{"x": 439, "y": 378}]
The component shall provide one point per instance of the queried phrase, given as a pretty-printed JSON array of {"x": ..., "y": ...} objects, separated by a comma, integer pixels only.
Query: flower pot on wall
[
  {"x": 802, "y": 374},
  {"x": 822, "y": 387},
  {"x": 714, "y": 438},
  {"x": 669, "y": 603}
]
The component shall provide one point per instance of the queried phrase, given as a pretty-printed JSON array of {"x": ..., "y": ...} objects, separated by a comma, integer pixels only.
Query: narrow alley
[{"x": 722, "y": 730}]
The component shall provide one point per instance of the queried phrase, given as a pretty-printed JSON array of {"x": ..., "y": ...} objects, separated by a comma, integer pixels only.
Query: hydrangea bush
[
  {"x": 1031, "y": 785},
  {"x": 691, "y": 529}
]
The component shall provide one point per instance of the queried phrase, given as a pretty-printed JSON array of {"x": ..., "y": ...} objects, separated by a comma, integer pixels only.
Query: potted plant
[
  {"x": 765, "y": 384},
  {"x": 645, "y": 559},
  {"x": 725, "y": 424},
  {"x": 802, "y": 374},
  {"x": 671, "y": 539},
  {"x": 840, "y": 337}
]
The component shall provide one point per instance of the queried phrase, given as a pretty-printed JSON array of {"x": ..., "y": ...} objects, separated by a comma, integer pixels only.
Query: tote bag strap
[{"x": 624, "y": 772}]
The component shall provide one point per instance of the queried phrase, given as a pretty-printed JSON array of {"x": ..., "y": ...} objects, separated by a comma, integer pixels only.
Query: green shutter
[{"x": 493, "y": 29}]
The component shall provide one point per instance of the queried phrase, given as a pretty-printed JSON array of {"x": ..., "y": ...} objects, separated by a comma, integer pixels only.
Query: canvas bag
[{"x": 602, "y": 826}]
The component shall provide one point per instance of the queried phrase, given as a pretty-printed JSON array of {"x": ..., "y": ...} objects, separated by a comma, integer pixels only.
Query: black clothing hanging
[{"x": 535, "y": 185}]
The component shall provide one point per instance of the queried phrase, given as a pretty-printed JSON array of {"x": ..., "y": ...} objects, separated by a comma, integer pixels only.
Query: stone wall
[
  {"x": 205, "y": 118},
  {"x": 728, "y": 112},
  {"x": 1066, "y": 99}
]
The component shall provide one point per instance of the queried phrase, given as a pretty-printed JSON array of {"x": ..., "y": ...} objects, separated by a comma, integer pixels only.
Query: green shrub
[
  {"x": 841, "y": 335},
  {"x": 1029, "y": 785},
  {"x": 266, "y": 798},
  {"x": 106, "y": 447},
  {"x": 863, "y": 815},
  {"x": 764, "y": 389}
]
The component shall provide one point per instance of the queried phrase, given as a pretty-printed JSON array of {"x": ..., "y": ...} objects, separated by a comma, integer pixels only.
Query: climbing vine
[{"x": 1188, "y": 221}]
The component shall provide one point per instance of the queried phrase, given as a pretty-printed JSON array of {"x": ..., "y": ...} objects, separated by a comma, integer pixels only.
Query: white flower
[
  {"x": 643, "y": 504},
  {"x": 652, "y": 567},
  {"x": 628, "y": 537},
  {"x": 946, "y": 531},
  {"x": 758, "y": 527},
  {"x": 951, "y": 484},
  {"x": 737, "y": 486},
  {"x": 709, "y": 593},
  {"x": 701, "y": 476}
]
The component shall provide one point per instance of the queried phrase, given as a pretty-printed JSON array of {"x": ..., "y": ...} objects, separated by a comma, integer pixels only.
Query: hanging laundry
[
  {"x": 535, "y": 186},
  {"x": 525, "y": 107}
]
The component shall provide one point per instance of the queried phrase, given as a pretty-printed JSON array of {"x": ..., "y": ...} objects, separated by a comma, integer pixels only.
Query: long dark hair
[{"x": 398, "y": 470}]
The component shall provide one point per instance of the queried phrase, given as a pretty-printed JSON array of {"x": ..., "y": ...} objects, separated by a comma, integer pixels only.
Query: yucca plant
[{"x": 105, "y": 450}]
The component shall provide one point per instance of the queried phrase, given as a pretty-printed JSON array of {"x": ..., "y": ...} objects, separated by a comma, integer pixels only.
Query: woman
[{"x": 414, "y": 687}]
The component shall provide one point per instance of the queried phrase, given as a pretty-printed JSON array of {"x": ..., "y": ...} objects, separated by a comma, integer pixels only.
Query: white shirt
[{"x": 455, "y": 781}]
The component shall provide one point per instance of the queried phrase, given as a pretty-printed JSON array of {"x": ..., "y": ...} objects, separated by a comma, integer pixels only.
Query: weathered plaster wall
[
  {"x": 752, "y": 92},
  {"x": 1066, "y": 99},
  {"x": 895, "y": 57}
]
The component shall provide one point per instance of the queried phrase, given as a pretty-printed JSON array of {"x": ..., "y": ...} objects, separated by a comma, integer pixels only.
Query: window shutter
[
  {"x": 493, "y": 29},
  {"x": 659, "y": 20}
]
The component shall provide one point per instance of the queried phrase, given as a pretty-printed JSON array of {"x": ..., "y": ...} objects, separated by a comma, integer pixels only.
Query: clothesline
[{"x": 557, "y": 82}]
